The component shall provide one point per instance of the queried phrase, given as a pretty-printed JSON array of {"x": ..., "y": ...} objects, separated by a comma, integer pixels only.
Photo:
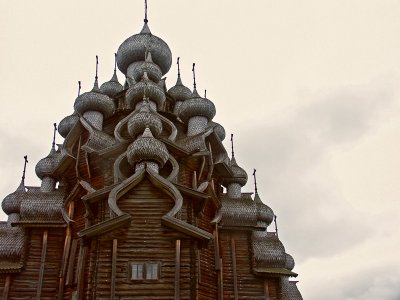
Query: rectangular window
[{"x": 144, "y": 270}]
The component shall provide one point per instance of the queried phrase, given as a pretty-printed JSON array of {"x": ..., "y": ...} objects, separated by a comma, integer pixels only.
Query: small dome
[
  {"x": 95, "y": 101},
  {"x": 147, "y": 148},
  {"x": 289, "y": 262},
  {"x": 264, "y": 212},
  {"x": 196, "y": 106},
  {"x": 12, "y": 203},
  {"x": 46, "y": 166},
  {"x": 112, "y": 87},
  {"x": 136, "y": 92},
  {"x": 136, "y": 70},
  {"x": 66, "y": 124},
  {"x": 219, "y": 130},
  {"x": 239, "y": 175},
  {"x": 144, "y": 118},
  {"x": 134, "y": 48},
  {"x": 269, "y": 251},
  {"x": 179, "y": 92}
]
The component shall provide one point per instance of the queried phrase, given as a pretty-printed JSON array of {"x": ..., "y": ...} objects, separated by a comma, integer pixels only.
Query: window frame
[{"x": 146, "y": 265}]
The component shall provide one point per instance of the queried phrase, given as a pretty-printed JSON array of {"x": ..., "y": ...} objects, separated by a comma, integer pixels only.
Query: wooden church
[{"x": 132, "y": 204}]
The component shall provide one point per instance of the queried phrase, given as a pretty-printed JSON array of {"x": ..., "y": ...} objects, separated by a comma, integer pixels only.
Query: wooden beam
[
  {"x": 177, "y": 268},
  {"x": 235, "y": 281},
  {"x": 114, "y": 267},
  {"x": 67, "y": 247},
  {"x": 42, "y": 263},
  {"x": 266, "y": 290},
  {"x": 6, "y": 287},
  {"x": 70, "y": 271}
]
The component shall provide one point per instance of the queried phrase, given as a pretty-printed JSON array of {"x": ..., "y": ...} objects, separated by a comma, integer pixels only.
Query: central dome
[{"x": 133, "y": 49}]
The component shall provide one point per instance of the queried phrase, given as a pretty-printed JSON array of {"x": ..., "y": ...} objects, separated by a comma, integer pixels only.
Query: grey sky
[{"x": 309, "y": 88}]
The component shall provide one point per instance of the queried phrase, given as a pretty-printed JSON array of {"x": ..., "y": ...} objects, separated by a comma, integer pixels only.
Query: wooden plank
[
  {"x": 177, "y": 268},
  {"x": 6, "y": 287},
  {"x": 81, "y": 269},
  {"x": 114, "y": 268},
  {"x": 235, "y": 282},
  {"x": 42, "y": 262},
  {"x": 70, "y": 270}
]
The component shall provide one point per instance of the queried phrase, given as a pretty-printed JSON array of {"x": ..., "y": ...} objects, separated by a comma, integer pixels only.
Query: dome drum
[
  {"x": 234, "y": 190},
  {"x": 48, "y": 184}
]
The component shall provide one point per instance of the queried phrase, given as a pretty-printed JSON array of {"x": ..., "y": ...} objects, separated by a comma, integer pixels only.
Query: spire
[
  {"x": 179, "y": 70},
  {"x": 79, "y": 88},
  {"x": 233, "y": 153},
  {"x": 96, "y": 83},
  {"x": 54, "y": 137},
  {"x": 24, "y": 171},
  {"x": 115, "y": 63},
  {"x": 255, "y": 181},
  {"x": 145, "y": 12},
  {"x": 276, "y": 225},
  {"x": 194, "y": 76},
  {"x": 205, "y": 93}
]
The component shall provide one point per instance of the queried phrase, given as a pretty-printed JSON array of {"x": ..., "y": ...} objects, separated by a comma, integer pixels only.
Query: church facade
[{"x": 141, "y": 200}]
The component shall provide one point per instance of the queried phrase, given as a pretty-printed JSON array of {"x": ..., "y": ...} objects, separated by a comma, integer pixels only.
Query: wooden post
[
  {"x": 218, "y": 261},
  {"x": 6, "y": 287},
  {"x": 235, "y": 281},
  {"x": 114, "y": 268},
  {"x": 42, "y": 263},
  {"x": 177, "y": 269}
]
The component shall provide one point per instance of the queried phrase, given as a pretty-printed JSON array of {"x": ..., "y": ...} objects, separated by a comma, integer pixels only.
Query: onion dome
[
  {"x": 112, "y": 87},
  {"x": 219, "y": 130},
  {"x": 136, "y": 70},
  {"x": 145, "y": 87},
  {"x": 264, "y": 212},
  {"x": 46, "y": 166},
  {"x": 12, "y": 203},
  {"x": 196, "y": 106},
  {"x": 147, "y": 148},
  {"x": 179, "y": 92},
  {"x": 94, "y": 101},
  {"x": 144, "y": 118},
  {"x": 269, "y": 251},
  {"x": 289, "y": 262},
  {"x": 133, "y": 49},
  {"x": 239, "y": 175},
  {"x": 66, "y": 124}
]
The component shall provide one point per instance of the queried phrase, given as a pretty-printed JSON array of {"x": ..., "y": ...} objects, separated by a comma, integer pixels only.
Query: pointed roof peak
[
  {"x": 147, "y": 133},
  {"x": 145, "y": 29}
]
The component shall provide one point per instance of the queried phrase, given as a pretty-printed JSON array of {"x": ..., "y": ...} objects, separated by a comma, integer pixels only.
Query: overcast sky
[{"x": 309, "y": 88}]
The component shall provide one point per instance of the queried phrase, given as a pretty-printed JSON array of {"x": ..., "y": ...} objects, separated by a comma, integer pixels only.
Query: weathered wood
[
  {"x": 6, "y": 287},
  {"x": 70, "y": 270},
  {"x": 42, "y": 262},
  {"x": 81, "y": 269},
  {"x": 235, "y": 281},
  {"x": 114, "y": 267},
  {"x": 177, "y": 268}
]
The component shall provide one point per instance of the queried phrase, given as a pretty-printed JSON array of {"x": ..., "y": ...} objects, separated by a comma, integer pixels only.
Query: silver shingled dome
[
  {"x": 269, "y": 251},
  {"x": 196, "y": 106},
  {"x": 180, "y": 92},
  {"x": 66, "y": 124},
  {"x": 95, "y": 101},
  {"x": 144, "y": 118},
  {"x": 264, "y": 212},
  {"x": 147, "y": 148},
  {"x": 46, "y": 166},
  {"x": 12, "y": 202},
  {"x": 111, "y": 87},
  {"x": 133, "y": 49}
]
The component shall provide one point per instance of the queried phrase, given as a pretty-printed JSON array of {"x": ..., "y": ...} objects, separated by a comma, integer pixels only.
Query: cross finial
[
  {"x": 97, "y": 67},
  {"x": 145, "y": 12},
  {"x": 276, "y": 225},
  {"x": 115, "y": 62},
  {"x": 179, "y": 70},
  {"x": 23, "y": 172},
  {"x": 233, "y": 153},
  {"x": 79, "y": 88},
  {"x": 54, "y": 136},
  {"x": 255, "y": 181},
  {"x": 194, "y": 76}
]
